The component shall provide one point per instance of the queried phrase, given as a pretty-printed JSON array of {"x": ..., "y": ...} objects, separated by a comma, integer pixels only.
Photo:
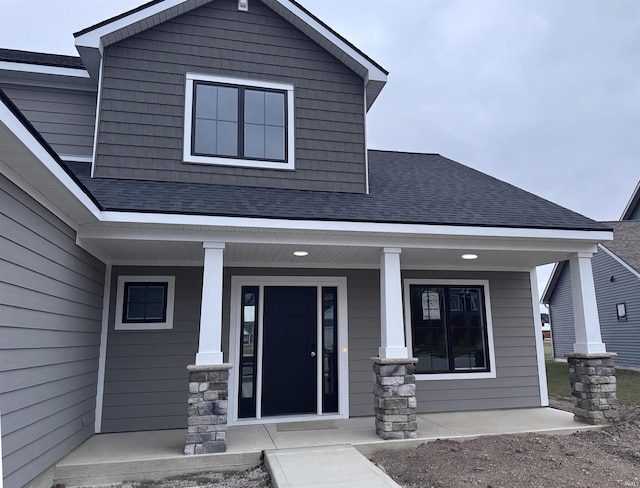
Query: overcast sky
[{"x": 544, "y": 94}]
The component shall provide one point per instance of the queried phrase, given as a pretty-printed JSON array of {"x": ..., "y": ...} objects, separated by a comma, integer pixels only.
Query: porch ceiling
[{"x": 141, "y": 252}]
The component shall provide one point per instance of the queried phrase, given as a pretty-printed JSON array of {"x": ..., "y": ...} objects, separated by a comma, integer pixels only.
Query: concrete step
[{"x": 111, "y": 473}]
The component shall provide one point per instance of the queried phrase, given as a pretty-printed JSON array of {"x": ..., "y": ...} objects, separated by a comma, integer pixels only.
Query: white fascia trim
[
  {"x": 619, "y": 260},
  {"x": 630, "y": 202},
  {"x": 551, "y": 280},
  {"x": 70, "y": 158},
  {"x": 407, "y": 282},
  {"x": 102, "y": 360},
  {"x": 92, "y": 39},
  {"x": 187, "y": 157},
  {"x": 366, "y": 150},
  {"x": 94, "y": 152},
  {"x": 24, "y": 136},
  {"x": 374, "y": 73},
  {"x": 346, "y": 226},
  {"x": 542, "y": 372},
  {"x": 43, "y": 69}
]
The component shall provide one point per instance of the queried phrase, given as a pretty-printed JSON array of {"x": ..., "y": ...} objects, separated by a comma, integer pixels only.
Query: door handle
[{"x": 313, "y": 354}]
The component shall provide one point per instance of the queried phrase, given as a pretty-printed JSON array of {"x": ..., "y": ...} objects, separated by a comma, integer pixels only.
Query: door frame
[{"x": 237, "y": 282}]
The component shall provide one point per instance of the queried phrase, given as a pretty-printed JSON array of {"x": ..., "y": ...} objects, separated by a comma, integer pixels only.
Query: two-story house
[
  {"x": 616, "y": 272},
  {"x": 195, "y": 189}
]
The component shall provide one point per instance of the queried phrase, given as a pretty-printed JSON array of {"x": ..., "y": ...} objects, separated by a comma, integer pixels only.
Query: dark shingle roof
[
  {"x": 626, "y": 241},
  {"x": 44, "y": 59},
  {"x": 406, "y": 188}
]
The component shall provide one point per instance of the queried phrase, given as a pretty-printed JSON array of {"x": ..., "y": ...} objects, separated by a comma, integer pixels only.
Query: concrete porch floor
[{"x": 110, "y": 458}]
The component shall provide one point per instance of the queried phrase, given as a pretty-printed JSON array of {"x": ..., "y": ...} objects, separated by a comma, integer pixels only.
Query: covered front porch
[{"x": 111, "y": 458}]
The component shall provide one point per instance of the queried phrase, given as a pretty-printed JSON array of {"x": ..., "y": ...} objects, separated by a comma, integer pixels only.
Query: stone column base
[
  {"x": 593, "y": 387},
  {"x": 394, "y": 393},
  {"x": 208, "y": 400}
]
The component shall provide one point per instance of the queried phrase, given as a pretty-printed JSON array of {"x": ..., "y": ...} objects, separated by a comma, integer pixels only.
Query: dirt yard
[
  {"x": 597, "y": 459},
  {"x": 600, "y": 458}
]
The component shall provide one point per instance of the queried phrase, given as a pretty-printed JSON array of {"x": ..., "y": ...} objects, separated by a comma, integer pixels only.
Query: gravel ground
[
  {"x": 600, "y": 458},
  {"x": 253, "y": 478}
]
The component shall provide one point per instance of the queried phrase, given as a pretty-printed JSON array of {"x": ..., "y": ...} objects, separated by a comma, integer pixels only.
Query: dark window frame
[
  {"x": 242, "y": 89},
  {"x": 445, "y": 309},
  {"x": 125, "y": 302}
]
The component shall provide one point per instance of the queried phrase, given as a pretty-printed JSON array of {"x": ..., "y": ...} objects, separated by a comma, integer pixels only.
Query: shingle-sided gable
[
  {"x": 142, "y": 106},
  {"x": 626, "y": 242},
  {"x": 632, "y": 210}
]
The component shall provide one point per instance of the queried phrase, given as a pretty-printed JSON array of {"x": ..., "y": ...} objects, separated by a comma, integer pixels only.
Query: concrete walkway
[
  {"x": 110, "y": 458},
  {"x": 330, "y": 466}
]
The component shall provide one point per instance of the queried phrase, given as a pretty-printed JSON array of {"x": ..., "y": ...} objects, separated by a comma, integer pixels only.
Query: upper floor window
[{"x": 238, "y": 123}]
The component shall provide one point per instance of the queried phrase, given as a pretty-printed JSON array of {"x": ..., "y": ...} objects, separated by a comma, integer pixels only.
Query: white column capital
[
  {"x": 213, "y": 245},
  {"x": 391, "y": 250},
  {"x": 581, "y": 255}
]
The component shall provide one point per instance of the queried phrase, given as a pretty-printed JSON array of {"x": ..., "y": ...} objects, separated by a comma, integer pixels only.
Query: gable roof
[
  {"x": 407, "y": 188},
  {"x": 90, "y": 42},
  {"x": 625, "y": 247},
  {"x": 633, "y": 204},
  {"x": 626, "y": 241}
]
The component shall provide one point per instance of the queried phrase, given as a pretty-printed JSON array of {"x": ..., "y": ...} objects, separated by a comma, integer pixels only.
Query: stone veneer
[
  {"x": 593, "y": 387},
  {"x": 394, "y": 394},
  {"x": 207, "y": 410}
]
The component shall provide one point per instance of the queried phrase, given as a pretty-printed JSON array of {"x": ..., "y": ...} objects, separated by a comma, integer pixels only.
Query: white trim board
[
  {"x": 542, "y": 372},
  {"x": 619, "y": 260},
  {"x": 237, "y": 282},
  {"x": 102, "y": 360},
  {"x": 44, "y": 69}
]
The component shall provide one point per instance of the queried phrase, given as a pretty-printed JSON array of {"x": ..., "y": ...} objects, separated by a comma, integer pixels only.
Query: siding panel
[
  {"x": 64, "y": 117},
  {"x": 50, "y": 322},
  {"x": 142, "y": 107}
]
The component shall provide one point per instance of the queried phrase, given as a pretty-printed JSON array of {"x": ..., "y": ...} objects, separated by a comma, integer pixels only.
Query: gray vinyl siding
[
  {"x": 619, "y": 336},
  {"x": 50, "y": 323},
  {"x": 563, "y": 334},
  {"x": 143, "y": 96},
  {"x": 65, "y": 118},
  {"x": 146, "y": 381}
]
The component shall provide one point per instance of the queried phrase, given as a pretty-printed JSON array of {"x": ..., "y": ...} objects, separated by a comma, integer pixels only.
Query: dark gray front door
[{"x": 289, "y": 384}]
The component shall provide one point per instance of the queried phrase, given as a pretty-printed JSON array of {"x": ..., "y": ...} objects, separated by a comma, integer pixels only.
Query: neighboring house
[
  {"x": 546, "y": 325},
  {"x": 616, "y": 272},
  {"x": 196, "y": 188}
]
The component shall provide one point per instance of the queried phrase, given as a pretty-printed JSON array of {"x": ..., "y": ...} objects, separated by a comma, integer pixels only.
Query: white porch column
[
  {"x": 585, "y": 309},
  {"x": 392, "y": 322},
  {"x": 210, "y": 346}
]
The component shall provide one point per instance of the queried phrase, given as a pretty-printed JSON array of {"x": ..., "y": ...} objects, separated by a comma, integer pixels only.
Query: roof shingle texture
[
  {"x": 626, "y": 241},
  {"x": 408, "y": 188},
  {"x": 44, "y": 59}
]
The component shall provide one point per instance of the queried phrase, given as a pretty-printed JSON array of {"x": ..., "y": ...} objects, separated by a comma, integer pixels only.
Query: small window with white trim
[
  {"x": 238, "y": 122},
  {"x": 144, "y": 302},
  {"x": 449, "y": 329}
]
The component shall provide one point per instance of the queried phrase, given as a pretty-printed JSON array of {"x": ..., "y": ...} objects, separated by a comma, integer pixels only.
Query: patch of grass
[{"x": 558, "y": 380}]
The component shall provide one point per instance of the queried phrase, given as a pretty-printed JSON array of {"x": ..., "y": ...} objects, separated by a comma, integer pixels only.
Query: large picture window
[
  {"x": 238, "y": 123},
  {"x": 448, "y": 330}
]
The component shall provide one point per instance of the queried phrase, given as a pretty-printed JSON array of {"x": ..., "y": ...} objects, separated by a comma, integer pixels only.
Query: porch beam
[
  {"x": 391, "y": 318},
  {"x": 585, "y": 308},
  {"x": 210, "y": 343}
]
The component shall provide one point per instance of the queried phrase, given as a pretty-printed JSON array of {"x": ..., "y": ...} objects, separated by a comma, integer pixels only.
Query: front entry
[{"x": 287, "y": 348}]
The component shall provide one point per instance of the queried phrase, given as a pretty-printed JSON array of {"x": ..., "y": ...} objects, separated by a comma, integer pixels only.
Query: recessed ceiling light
[
  {"x": 469, "y": 256},
  {"x": 300, "y": 254}
]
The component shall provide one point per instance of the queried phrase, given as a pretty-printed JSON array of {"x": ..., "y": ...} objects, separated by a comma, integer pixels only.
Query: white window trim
[
  {"x": 167, "y": 324},
  {"x": 289, "y": 164},
  {"x": 487, "y": 303},
  {"x": 237, "y": 282}
]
